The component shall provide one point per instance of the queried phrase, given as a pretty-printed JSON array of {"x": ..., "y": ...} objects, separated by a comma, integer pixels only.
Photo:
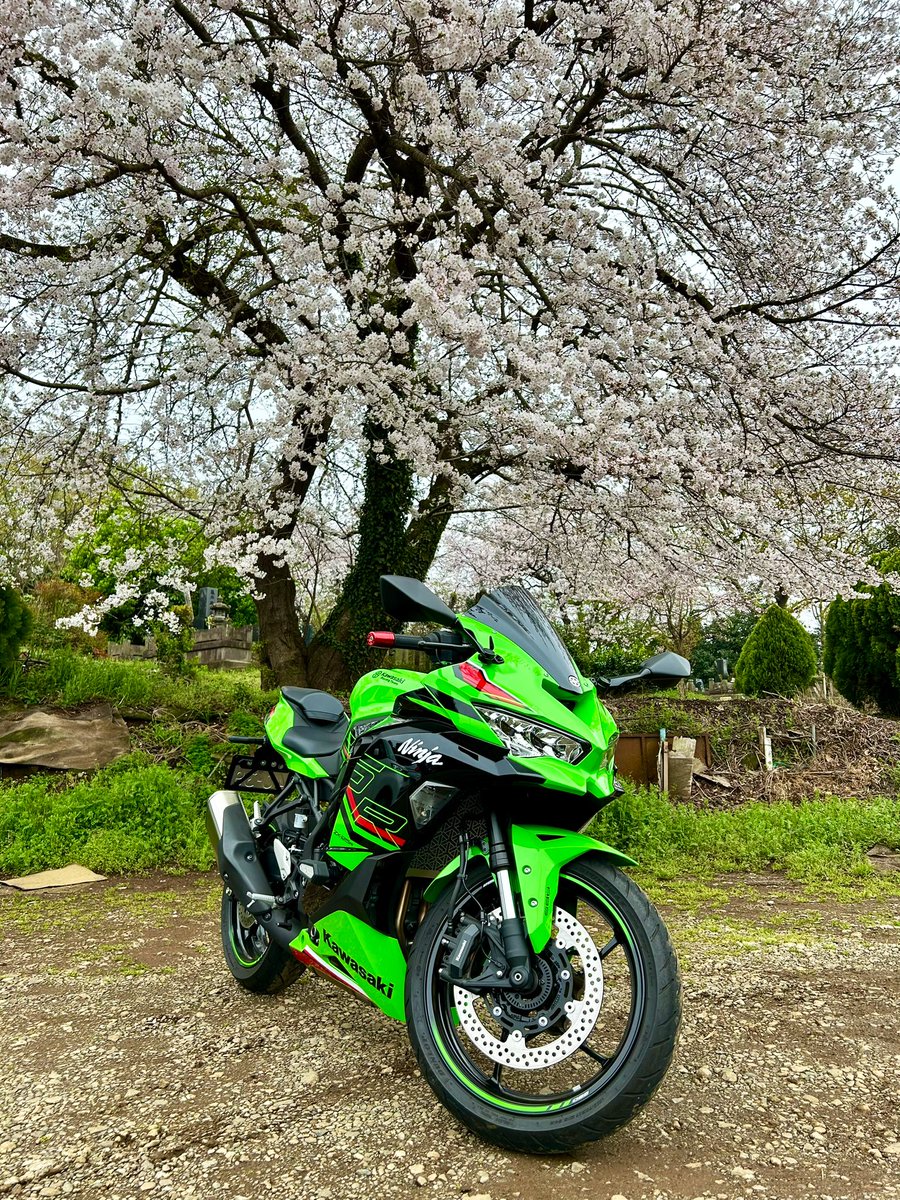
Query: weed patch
[
  {"x": 817, "y": 840},
  {"x": 132, "y": 816},
  {"x": 70, "y": 680}
]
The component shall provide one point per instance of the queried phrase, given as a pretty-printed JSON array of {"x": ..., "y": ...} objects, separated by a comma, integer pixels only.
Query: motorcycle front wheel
[{"x": 583, "y": 1051}]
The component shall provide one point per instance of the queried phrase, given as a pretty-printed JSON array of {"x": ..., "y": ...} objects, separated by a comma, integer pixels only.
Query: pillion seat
[{"x": 320, "y": 724}]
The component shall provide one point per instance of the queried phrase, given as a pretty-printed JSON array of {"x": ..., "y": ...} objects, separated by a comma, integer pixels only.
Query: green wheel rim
[{"x": 246, "y": 944}]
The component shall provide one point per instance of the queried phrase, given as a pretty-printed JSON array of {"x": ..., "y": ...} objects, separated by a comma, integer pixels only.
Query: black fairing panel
[
  {"x": 387, "y": 767},
  {"x": 512, "y": 612}
]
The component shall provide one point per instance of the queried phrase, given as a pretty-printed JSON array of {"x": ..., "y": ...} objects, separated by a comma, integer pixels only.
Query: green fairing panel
[
  {"x": 583, "y": 716},
  {"x": 524, "y": 680},
  {"x": 376, "y": 693},
  {"x": 278, "y": 722},
  {"x": 371, "y": 961},
  {"x": 343, "y": 847},
  {"x": 540, "y": 852}
]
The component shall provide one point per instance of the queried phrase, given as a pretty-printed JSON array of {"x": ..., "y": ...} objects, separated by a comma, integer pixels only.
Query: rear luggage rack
[{"x": 263, "y": 771}]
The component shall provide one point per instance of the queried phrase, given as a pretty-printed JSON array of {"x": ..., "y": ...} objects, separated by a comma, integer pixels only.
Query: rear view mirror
[
  {"x": 663, "y": 670},
  {"x": 411, "y": 600}
]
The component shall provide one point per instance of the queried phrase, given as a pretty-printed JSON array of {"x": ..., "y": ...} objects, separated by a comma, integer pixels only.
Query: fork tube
[{"x": 512, "y": 926}]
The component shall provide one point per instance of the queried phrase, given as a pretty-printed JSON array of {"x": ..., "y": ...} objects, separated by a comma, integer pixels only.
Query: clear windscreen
[{"x": 511, "y": 612}]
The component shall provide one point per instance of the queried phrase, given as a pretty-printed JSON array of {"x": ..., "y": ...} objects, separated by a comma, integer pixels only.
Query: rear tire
[
  {"x": 255, "y": 961},
  {"x": 467, "y": 1045}
]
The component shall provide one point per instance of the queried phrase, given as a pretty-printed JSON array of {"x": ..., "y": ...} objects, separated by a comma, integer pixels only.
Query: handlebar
[
  {"x": 384, "y": 640},
  {"x": 441, "y": 646}
]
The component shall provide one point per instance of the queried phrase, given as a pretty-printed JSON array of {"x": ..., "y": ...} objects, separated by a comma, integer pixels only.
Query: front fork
[{"x": 512, "y": 926}]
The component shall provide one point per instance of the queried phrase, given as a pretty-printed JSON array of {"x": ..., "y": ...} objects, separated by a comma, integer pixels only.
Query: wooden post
[{"x": 765, "y": 749}]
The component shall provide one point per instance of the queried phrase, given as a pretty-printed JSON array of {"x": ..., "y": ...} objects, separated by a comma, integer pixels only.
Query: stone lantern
[{"x": 219, "y": 614}]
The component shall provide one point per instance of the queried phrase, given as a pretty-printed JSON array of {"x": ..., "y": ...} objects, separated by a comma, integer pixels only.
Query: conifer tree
[
  {"x": 15, "y": 625},
  {"x": 862, "y": 646},
  {"x": 779, "y": 656}
]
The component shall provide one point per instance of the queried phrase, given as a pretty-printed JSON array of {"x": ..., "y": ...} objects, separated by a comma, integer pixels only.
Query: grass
[
  {"x": 147, "y": 810},
  {"x": 134, "y": 815},
  {"x": 817, "y": 840},
  {"x": 141, "y": 688}
]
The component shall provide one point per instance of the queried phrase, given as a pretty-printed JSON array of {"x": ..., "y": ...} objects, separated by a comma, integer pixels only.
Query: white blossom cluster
[{"x": 617, "y": 278}]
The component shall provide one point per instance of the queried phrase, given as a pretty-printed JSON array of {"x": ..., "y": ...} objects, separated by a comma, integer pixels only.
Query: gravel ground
[{"x": 132, "y": 1066}]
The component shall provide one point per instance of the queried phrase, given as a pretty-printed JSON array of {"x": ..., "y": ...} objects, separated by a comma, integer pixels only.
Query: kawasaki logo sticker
[
  {"x": 375, "y": 981},
  {"x": 417, "y": 750}
]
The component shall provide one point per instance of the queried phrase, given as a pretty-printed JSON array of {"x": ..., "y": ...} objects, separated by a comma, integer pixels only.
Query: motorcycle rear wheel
[
  {"x": 579, "y": 1056},
  {"x": 256, "y": 962}
]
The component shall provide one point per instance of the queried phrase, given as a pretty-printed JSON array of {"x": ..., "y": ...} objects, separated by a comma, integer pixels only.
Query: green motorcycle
[{"x": 425, "y": 853}]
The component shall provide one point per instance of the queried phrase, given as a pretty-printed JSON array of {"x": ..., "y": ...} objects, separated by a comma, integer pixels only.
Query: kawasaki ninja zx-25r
[{"x": 426, "y": 854}]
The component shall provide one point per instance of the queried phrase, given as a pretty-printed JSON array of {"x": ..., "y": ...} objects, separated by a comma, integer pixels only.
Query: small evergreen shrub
[
  {"x": 779, "y": 656},
  {"x": 15, "y": 626}
]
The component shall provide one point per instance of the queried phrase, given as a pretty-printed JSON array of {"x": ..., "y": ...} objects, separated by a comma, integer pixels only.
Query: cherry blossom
[{"x": 598, "y": 294}]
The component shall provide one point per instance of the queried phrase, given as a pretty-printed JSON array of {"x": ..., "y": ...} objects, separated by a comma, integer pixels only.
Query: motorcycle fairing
[{"x": 347, "y": 949}]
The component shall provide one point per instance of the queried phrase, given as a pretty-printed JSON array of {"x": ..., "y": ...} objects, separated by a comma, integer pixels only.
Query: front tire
[
  {"x": 578, "y": 1057},
  {"x": 255, "y": 961}
]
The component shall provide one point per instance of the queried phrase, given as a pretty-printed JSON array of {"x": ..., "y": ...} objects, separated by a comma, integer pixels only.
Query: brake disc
[{"x": 581, "y": 1015}]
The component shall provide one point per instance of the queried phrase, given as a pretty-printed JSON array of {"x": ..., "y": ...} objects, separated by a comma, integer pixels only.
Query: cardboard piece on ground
[
  {"x": 64, "y": 877},
  {"x": 721, "y": 780}
]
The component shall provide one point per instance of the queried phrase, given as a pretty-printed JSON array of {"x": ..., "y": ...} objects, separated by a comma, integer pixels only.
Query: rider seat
[{"x": 320, "y": 725}]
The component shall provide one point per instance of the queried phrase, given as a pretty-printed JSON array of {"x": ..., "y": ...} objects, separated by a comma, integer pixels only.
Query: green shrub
[
  {"x": 722, "y": 637},
  {"x": 602, "y": 641},
  {"x": 862, "y": 649},
  {"x": 132, "y": 816},
  {"x": 56, "y": 598},
  {"x": 779, "y": 656},
  {"x": 173, "y": 646},
  {"x": 15, "y": 625}
]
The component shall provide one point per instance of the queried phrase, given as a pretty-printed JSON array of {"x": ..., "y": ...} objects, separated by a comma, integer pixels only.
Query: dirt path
[{"x": 132, "y": 1066}]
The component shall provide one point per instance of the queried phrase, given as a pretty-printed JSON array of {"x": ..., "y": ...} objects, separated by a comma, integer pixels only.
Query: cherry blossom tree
[{"x": 601, "y": 290}]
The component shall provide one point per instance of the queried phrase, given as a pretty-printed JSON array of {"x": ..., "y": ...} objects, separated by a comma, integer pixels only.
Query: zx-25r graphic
[{"x": 426, "y": 854}]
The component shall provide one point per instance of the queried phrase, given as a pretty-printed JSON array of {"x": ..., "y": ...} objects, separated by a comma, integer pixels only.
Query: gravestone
[{"x": 203, "y": 602}]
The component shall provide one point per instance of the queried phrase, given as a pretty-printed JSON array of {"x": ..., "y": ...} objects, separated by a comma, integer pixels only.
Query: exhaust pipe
[{"x": 228, "y": 828}]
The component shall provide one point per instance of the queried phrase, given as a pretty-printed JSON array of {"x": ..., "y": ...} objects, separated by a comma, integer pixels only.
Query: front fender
[{"x": 539, "y": 852}]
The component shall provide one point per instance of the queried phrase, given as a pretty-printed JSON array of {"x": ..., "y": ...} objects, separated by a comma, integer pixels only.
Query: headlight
[{"x": 531, "y": 739}]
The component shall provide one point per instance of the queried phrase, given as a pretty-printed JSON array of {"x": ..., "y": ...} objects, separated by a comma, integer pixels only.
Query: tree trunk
[
  {"x": 283, "y": 650},
  {"x": 338, "y": 654},
  {"x": 389, "y": 543}
]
